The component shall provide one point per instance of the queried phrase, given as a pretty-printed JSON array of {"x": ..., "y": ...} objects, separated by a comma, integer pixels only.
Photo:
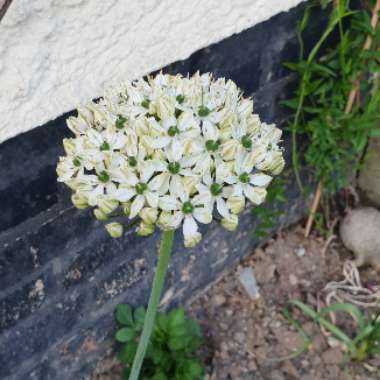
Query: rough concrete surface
[{"x": 57, "y": 53}]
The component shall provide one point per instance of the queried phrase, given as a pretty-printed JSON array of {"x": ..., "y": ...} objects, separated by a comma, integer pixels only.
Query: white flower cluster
[{"x": 170, "y": 150}]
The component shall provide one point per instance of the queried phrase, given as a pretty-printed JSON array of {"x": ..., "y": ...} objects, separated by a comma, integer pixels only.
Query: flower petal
[
  {"x": 152, "y": 198},
  {"x": 260, "y": 179},
  {"x": 168, "y": 203},
  {"x": 255, "y": 194},
  {"x": 222, "y": 208},
  {"x": 202, "y": 215},
  {"x": 137, "y": 205}
]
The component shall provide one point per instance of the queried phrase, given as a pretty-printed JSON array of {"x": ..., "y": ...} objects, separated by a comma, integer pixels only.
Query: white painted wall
[{"x": 57, "y": 53}]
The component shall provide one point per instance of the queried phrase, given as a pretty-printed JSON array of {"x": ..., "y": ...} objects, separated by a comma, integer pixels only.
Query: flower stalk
[{"x": 158, "y": 283}]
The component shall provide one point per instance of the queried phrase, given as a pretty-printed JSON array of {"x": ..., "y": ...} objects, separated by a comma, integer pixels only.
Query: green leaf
[
  {"x": 305, "y": 19},
  {"x": 162, "y": 322},
  {"x": 125, "y": 373},
  {"x": 364, "y": 334},
  {"x": 353, "y": 310},
  {"x": 194, "y": 369},
  {"x": 328, "y": 325},
  {"x": 176, "y": 317},
  {"x": 159, "y": 376},
  {"x": 124, "y": 314},
  {"x": 125, "y": 334},
  {"x": 127, "y": 353},
  {"x": 291, "y": 103},
  {"x": 177, "y": 343},
  {"x": 139, "y": 317}
]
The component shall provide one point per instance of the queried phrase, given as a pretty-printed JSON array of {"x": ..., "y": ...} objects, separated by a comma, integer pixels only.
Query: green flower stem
[{"x": 158, "y": 283}]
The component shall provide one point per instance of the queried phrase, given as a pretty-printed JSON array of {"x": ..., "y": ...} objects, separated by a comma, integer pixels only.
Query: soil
[{"x": 249, "y": 339}]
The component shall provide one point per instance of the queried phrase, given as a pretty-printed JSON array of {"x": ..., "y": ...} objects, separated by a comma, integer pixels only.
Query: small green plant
[
  {"x": 337, "y": 101},
  {"x": 361, "y": 344},
  {"x": 170, "y": 353},
  {"x": 269, "y": 214}
]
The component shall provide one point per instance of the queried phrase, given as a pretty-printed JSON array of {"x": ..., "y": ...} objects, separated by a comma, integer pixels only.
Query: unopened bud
[
  {"x": 114, "y": 229},
  {"x": 145, "y": 229},
  {"x": 274, "y": 163},
  {"x": 79, "y": 201},
  {"x": 108, "y": 205},
  {"x": 236, "y": 204},
  {"x": 100, "y": 215},
  {"x": 149, "y": 215},
  {"x": 191, "y": 241},
  {"x": 230, "y": 222},
  {"x": 69, "y": 146},
  {"x": 126, "y": 206}
]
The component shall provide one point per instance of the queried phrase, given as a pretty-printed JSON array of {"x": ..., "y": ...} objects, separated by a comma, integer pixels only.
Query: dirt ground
[{"x": 245, "y": 338}]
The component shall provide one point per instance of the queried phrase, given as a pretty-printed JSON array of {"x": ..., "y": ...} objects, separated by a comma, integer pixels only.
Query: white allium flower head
[{"x": 171, "y": 151}]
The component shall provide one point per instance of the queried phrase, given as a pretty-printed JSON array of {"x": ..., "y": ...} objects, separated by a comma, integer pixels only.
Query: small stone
[
  {"x": 248, "y": 280},
  {"x": 319, "y": 343},
  {"x": 240, "y": 337},
  {"x": 369, "y": 178},
  {"x": 359, "y": 231},
  {"x": 290, "y": 369},
  {"x": 219, "y": 300},
  {"x": 223, "y": 326},
  {"x": 275, "y": 324},
  {"x": 300, "y": 251},
  {"x": 252, "y": 366},
  {"x": 307, "y": 376},
  {"x": 229, "y": 312},
  {"x": 333, "y": 356},
  {"x": 293, "y": 280},
  {"x": 311, "y": 300},
  {"x": 276, "y": 375}
]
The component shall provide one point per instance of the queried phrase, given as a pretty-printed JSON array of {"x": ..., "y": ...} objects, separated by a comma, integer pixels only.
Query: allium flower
[{"x": 171, "y": 151}]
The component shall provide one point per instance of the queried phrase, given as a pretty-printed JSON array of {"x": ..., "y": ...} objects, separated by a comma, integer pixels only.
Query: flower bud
[
  {"x": 100, "y": 215},
  {"x": 145, "y": 229},
  {"x": 167, "y": 221},
  {"x": 190, "y": 184},
  {"x": 69, "y": 146},
  {"x": 257, "y": 195},
  {"x": 107, "y": 205},
  {"x": 114, "y": 229},
  {"x": 76, "y": 124},
  {"x": 227, "y": 121},
  {"x": 72, "y": 183},
  {"x": 165, "y": 107},
  {"x": 256, "y": 155},
  {"x": 79, "y": 201},
  {"x": 149, "y": 215},
  {"x": 270, "y": 134},
  {"x": 253, "y": 124},
  {"x": 236, "y": 204},
  {"x": 126, "y": 206},
  {"x": 245, "y": 108},
  {"x": 228, "y": 150},
  {"x": 273, "y": 163},
  {"x": 192, "y": 240},
  {"x": 230, "y": 223}
]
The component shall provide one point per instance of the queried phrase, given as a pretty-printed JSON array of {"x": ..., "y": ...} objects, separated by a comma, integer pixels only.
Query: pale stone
[
  {"x": 369, "y": 178},
  {"x": 360, "y": 232}
]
